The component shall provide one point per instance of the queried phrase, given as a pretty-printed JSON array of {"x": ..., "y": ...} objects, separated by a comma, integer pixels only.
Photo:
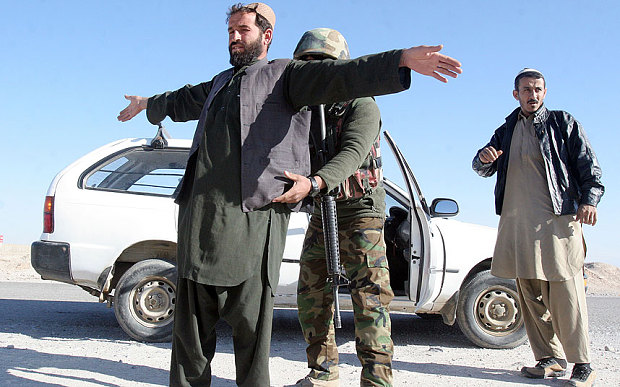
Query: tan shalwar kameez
[{"x": 544, "y": 252}]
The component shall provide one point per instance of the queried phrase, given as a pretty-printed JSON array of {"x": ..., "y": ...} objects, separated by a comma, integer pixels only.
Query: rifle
[{"x": 329, "y": 218}]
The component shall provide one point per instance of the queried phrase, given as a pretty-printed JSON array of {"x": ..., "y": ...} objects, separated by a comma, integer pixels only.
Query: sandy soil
[
  {"x": 603, "y": 279},
  {"x": 95, "y": 352}
]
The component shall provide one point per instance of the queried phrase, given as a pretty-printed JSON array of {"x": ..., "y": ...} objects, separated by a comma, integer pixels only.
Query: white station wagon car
[{"x": 110, "y": 227}]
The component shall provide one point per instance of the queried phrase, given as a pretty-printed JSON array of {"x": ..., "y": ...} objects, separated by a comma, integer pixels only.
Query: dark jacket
[{"x": 573, "y": 173}]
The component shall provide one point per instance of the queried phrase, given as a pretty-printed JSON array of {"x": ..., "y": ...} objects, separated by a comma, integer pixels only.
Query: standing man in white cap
[
  {"x": 252, "y": 125},
  {"x": 548, "y": 185}
]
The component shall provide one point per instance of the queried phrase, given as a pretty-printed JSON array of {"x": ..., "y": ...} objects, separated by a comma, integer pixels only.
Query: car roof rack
[{"x": 160, "y": 141}]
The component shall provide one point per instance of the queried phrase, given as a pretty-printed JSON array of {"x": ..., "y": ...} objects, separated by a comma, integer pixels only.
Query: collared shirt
[{"x": 213, "y": 230}]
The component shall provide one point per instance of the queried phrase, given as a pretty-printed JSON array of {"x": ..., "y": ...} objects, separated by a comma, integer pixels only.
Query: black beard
[{"x": 251, "y": 51}]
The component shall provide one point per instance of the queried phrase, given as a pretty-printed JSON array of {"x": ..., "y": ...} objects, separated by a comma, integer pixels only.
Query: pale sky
[{"x": 65, "y": 66}]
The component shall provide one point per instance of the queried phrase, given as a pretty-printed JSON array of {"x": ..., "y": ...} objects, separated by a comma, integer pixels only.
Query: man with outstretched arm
[{"x": 252, "y": 126}]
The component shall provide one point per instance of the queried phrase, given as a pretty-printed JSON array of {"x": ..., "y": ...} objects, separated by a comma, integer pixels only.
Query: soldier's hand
[
  {"x": 586, "y": 214},
  {"x": 300, "y": 189},
  {"x": 489, "y": 154},
  {"x": 427, "y": 60},
  {"x": 136, "y": 105}
]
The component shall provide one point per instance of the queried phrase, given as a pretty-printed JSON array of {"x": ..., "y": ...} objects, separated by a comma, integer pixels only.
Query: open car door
[{"x": 424, "y": 260}]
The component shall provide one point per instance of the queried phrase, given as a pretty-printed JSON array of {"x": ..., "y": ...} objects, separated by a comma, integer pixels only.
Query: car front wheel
[
  {"x": 489, "y": 312},
  {"x": 144, "y": 300}
]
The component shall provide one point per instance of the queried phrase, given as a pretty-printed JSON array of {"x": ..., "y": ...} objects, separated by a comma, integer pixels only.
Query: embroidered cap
[
  {"x": 529, "y": 70},
  {"x": 265, "y": 11}
]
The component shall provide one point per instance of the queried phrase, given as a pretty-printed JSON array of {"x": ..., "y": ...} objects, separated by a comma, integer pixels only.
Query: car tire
[
  {"x": 488, "y": 312},
  {"x": 145, "y": 298}
]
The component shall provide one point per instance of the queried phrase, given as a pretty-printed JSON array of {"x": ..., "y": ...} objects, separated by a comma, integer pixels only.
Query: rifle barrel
[{"x": 330, "y": 230}]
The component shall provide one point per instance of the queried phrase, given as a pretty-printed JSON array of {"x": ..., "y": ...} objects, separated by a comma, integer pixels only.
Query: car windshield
[{"x": 140, "y": 170}]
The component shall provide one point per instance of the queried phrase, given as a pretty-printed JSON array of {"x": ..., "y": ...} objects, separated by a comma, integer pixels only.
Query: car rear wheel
[
  {"x": 145, "y": 298},
  {"x": 489, "y": 312}
]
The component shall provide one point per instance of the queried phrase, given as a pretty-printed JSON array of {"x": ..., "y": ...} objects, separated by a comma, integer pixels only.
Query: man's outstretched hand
[
  {"x": 427, "y": 60},
  {"x": 136, "y": 105}
]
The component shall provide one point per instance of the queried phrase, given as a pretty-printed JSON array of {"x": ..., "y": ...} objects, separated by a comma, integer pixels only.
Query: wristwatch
[{"x": 315, "y": 187}]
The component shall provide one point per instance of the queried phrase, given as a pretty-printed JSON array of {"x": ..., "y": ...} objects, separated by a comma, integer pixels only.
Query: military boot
[{"x": 311, "y": 382}]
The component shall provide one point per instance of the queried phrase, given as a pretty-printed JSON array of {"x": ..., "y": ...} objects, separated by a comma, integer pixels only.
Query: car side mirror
[{"x": 442, "y": 207}]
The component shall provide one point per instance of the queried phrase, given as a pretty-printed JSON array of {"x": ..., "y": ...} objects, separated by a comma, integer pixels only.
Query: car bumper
[{"x": 52, "y": 260}]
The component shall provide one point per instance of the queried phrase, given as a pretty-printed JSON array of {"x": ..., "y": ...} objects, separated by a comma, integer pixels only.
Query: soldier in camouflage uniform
[{"x": 353, "y": 164}]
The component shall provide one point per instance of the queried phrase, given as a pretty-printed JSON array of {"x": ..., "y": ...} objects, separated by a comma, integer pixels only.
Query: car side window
[
  {"x": 389, "y": 203},
  {"x": 140, "y": 171}
]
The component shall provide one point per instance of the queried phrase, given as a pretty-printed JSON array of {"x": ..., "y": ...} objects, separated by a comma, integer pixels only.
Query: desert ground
[{"x": 55, "y": 334}]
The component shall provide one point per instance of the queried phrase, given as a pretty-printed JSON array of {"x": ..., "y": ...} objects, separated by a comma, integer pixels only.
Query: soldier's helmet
[{"x": 324, "y": 42}]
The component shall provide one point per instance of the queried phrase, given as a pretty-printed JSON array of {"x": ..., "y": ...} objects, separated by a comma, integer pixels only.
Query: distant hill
[
  {"x": 603, "y": 279},
  {"x": 15, "y": 263}
]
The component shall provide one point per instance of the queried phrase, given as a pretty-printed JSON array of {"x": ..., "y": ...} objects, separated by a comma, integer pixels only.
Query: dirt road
[{"x": 53, "y": 334}]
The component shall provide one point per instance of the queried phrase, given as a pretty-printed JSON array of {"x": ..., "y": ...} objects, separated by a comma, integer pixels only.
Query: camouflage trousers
[{"x": 362, "y": 254}]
